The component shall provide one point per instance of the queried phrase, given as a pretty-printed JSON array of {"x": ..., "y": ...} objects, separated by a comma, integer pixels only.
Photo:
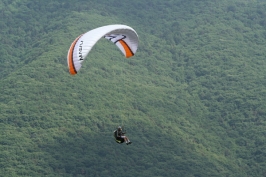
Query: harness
[{"x": 120, "y": 140}]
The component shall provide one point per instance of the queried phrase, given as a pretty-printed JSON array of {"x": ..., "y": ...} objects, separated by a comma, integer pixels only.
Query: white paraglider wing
[{"x": 124, "y": 37}]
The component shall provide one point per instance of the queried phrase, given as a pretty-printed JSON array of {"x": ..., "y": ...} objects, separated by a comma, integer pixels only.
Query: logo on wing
[
  {"x": 80, "y": 50},
  {"x": 115, "y": 37}
]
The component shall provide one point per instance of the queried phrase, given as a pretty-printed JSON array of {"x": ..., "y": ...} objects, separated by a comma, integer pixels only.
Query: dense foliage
[{"x": 192, "y": 99}]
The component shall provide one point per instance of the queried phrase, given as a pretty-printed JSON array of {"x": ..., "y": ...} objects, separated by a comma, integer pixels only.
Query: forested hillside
[{"x": 192, "y": 99}]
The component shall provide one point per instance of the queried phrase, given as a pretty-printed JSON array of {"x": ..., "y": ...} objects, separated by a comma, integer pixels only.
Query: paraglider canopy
[{"x": 124, "y": 37}]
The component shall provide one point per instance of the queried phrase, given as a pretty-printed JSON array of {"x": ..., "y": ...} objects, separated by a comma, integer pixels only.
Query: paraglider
[
  {"x": 124, "y": 37},
  {"x": 120, "y": 137}
]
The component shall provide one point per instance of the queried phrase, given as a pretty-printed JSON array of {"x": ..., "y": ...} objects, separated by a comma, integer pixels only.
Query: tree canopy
[{"x": 192, "y": 99}]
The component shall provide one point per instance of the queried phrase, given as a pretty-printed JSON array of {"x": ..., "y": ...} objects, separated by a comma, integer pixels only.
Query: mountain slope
[{"x": 192, "y": 99}]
